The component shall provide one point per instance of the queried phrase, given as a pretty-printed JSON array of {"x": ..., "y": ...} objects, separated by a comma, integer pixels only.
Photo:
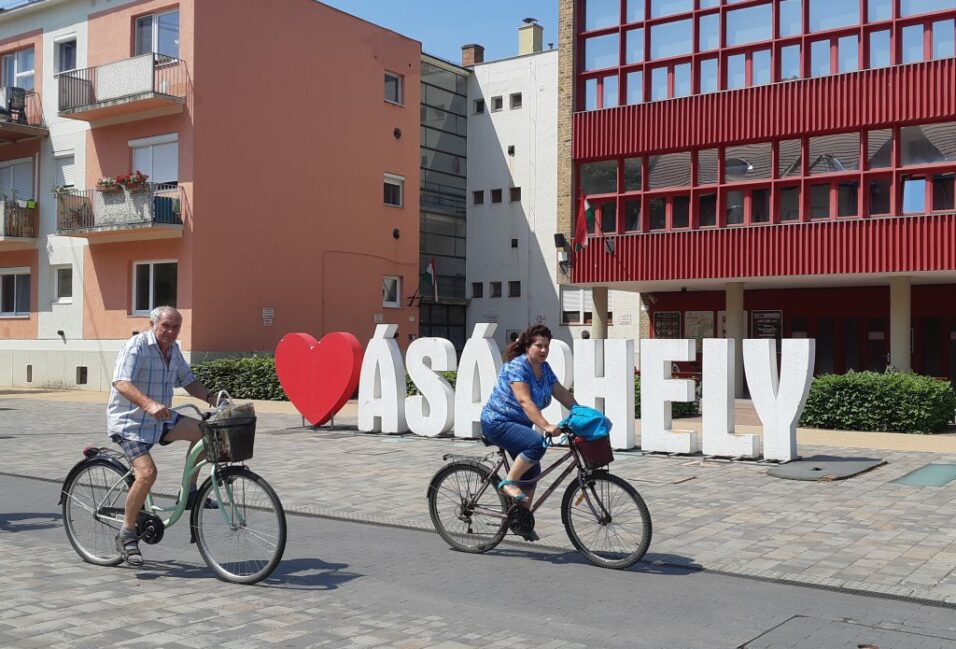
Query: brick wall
[{"x": 566, "y": 42}]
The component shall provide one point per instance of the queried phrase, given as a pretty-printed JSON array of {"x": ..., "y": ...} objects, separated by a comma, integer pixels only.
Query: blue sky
[{"x": 443, "y": 26}]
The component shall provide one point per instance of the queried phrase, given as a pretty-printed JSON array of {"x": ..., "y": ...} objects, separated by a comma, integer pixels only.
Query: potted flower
[
  {"x": 107, "y": 184},
  {"x": 132, "y": 181}
]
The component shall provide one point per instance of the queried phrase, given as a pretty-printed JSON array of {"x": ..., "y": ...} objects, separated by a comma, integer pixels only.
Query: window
[
  {"x": 394, "y": 189},
  {"x": 790, "y": 18},
  {"x": 601, "y": 13},
  {"x": 479, "y": 106},
  {"x": 478, "y": 197},
  {"x": 834, "y": 153},
  {"x": 392, "y": 291},
  {"x": 514, "y": 289},
  {"x": 635, "y": 87},
  {"x": 393, "y": 88},
  {"x": 708, "y": 76},
  {"x": 63, "y": 167},
  {"x": 515, "y": 100},
  {"x": 159, "y": 34},
  {"x": 670, "y": 7},
  {"x": 789, "y": 62},
  {"x": 879, "y": 10},
  {"x": 496, "y": 104},
  {"x": 669, "y": 170},
  {"x": 599, "y": 177},
  {"x": 154, "y": 284},
  {"x": 495, "y": 289},
  {"x": 912, "y": 49},
  {"x": 600, "y": 92},
  {"x": 632, "y": 174},
  {"x": 708, "y": 32},
  {"x": 928, "y": 143},
  {"x": 577, "y": 306},
  {"x": 515, "y": 195},
  {"x": 943, "y": 44},
  {"x": 914, "y": 195},
  {"x": 65, "y": 56},
  {"x": 14, "y": 292},
  {"x": 750, "y": 25},
  {"x": 16, "y": 179},
  {"x": 672, "y": 39},
  {"x": 477, "y": 289},
  {"x": 18, "y": 69},
  {"x": 913, "y": 7},
  {"x": 634, "y": 52},
  {"x": 63, "y": 284},
  {"x": 880, "y": 49},
  {"x": 157, "y": 157},
  {"x": 495, "y": 195},
  {"x": 601, "y": 52},
  {"x": 831, "y": 14},
  {"x": 943, "y": 197}
]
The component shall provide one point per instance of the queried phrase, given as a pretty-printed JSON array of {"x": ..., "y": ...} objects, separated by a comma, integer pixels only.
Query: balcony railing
[
  {"x": 18, "y": 221},
  {"x": 88, "y": 212},
  {"x": 139, "y": 83}
]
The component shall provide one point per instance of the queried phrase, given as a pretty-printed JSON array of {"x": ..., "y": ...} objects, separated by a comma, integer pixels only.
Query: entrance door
[
  {"x": 826, "y": 346},
  {"x": 952, "y": 351},
  {"x": 932, "y": 346},
  {"x": 851, "y": 345},
  {"x": 877, "y": 345}
]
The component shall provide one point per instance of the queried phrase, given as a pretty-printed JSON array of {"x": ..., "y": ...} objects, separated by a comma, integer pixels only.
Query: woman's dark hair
[{"x": 521, "y": 344}]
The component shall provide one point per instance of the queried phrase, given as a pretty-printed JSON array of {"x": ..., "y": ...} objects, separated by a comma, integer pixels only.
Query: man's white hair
[{"x": 157, "y": 314}]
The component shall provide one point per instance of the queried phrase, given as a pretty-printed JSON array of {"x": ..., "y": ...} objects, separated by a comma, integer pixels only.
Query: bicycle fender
[
  {"x": 220, "y": 474},
  {"x": 96, "y": 459},
  {"x": 477, "y": 462}
]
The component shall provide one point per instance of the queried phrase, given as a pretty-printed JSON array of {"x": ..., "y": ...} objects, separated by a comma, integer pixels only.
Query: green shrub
[
  {"x": 252, "y": 377},
  {"x": 449, "y": 376},
  {"x": 679, "y": 409},
  {"x": 900, "y": 402}
]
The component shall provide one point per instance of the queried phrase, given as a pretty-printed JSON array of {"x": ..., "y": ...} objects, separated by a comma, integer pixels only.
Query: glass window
[
  {"x": 750, "y": 25},
  {"x": 601, "y": 52},
  {"x": 928, "y": 144},
  {"x": 632, "y": 174},
  {"x": 820, "y": 58},
  {"x": 601, "y": 13},
  {"x": 669, "y": 170},
  {"x": 514, "y": 289},
  {"x": 670, "y": 7},
  {"x": 495, "y": 195},
  {"x": 635, "y": 10},
  {"x": 790, "y": 18},
  {"x": 658, "y": 214},
  {"x": 635, "y": 46},
  {"x": 599, "y": 177},
  {"x": 943, "y": 192},
  {"x": 672, "y": 39},
  {"x": 18, "y": 69},
  {"x": 682, "y": 80},
  {"x": 913, "y": 7},
  {"x": 879, "y": 10},
  {"x": 789, "y": 62},
  {"x": 478, "y": 197},
  {"x": 747, "y": 162},
  {"x": 790, "y": 204},
  {"x": 15, "y": 294},
  {"x": 707, "y": 210},
  {"x": 914, "y": 195},
  {"x": 608, "y": 211},
  {"x": 734, "y": 209},
  {"x": 848, "y": 193},
  {"x": 158, "y": 33},
  {"x": 820, "y": 201},
  {"x": 788, "y": 163},
  {"x": 736, "y": 71},
  {"x": 154, "y": 285},
  {"x": 477, "y": 289},
  {"x": 761, "y": 70},
  {"x": 912, "y": 44},
  {"x": 610, "y": 92},
  {"x": 848, "y": 54},
  {"x": 708, "y": 4},
  {"x": 879, "y": 148},
  {"x": 632, "y": 215},
  {"x": 496, "y": 286},
  {"x": 658, "y": 84},
  {"x": 834, "y": 153},
  {"x": 680, "y": 212},
  {"x": 760, "y": 206},
  {"x": 880, "y": 49},
  {"x": 393, "y": 88},
  {"x": 831, "y": 14},
  {"x": 708, "y": 32},
  {"x": 635, "y": 87},
  {"x": 63, "y": 287},
  {"x": 879, "y": 196},
  {"x": 392, "y": 292},
  {"x": 65, "y": 56},
  {"x": 707, "y": 167},
  {"x": 393, "y": 186},
  {"x": 590, "y": 94},
  {"x": 943, "y": 39},
  {"x": 708, "y": 76}
]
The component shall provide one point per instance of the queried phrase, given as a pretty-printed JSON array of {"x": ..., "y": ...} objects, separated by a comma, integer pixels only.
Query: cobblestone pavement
[{"x": 863, "y": 534}]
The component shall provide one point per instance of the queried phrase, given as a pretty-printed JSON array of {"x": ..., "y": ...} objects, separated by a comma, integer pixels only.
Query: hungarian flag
[
  {"x": 584, "y": 222},
  {"x": 430, "y": 278}
]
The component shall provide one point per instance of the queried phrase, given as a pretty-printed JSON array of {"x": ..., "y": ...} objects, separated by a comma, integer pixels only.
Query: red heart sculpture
[{"x": 319, "y": 376}]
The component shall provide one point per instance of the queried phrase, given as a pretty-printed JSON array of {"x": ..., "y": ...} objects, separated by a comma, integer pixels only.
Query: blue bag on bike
[{"x": 587, "y": 423}]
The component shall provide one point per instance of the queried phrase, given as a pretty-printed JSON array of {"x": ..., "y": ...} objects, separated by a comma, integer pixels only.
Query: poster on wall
[
  {"x": 699, "y": 325},
  {"x": 766, "y": 324},
  {"x": 667, "y": 324},
  {"x": 722, "y": 324}
]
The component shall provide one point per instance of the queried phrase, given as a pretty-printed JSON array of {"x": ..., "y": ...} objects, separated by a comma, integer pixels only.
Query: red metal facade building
[{"x": 810, "y": 159}]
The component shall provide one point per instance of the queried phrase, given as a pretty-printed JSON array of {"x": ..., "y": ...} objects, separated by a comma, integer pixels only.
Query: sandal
[
  {"x": 521, "y": 497},
  {"x": 128, "y": 547}
]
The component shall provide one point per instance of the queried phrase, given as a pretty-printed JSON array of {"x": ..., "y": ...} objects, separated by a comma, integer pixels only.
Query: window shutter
[
  {"x": 571, "y": 299},
  {"x": 610, "y": 301},
  {"x": 6, "y": 181},
  {"x": 588, "y": 300},
  {"x": 63, "y": 172},
  {"x": 143, "y": 160},
  {"x": 23, "y": 180},
  {"x": 165, "y": 163}
]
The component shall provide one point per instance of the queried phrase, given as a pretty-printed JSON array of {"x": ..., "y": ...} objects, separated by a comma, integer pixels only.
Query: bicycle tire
[
  {"x": 249, "y": 499},
  {"x": 449, "y": 490},
  {"x": 86, "y": 492},
  {"x": 621, "y": 501}
]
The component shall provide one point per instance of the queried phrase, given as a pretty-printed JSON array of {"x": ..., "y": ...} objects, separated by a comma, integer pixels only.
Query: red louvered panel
[
  {"x": 905, "y": 93},
  {"x": 886, "y": 245}
]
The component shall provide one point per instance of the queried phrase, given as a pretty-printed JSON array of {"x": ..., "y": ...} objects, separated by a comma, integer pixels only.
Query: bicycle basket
[
  {"x": 595, "y": 453},
  {"x": 229, "y": 440}
]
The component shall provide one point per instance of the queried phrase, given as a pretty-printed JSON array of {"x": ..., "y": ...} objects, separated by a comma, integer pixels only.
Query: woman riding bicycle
[{"x": 525, "y": 386}]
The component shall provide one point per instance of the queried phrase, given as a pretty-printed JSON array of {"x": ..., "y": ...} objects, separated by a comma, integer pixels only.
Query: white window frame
[
  {"x": 19, "y": 270},
  {"x": 398, "y": 181},
  {"x": 17, "y": 72},
  {"x": 57, "y": 298},
  {"x": 397, "y": 303},
  {"x": 155, "y": 29},
  {"x": 57, "y": 43},
  {"x": 152, "y": 297},
  {"x": 401, "y": 89}
]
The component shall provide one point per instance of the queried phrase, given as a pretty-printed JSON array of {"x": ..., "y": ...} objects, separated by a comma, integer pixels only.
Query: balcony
[
  {"x": 152, "y": 212},
  {"x": 19, "y": 225},
  {"x": 143, "y": 86},
  {"x": 21, "y": 115}
]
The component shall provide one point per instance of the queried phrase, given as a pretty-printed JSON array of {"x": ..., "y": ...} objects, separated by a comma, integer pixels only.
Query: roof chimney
[
  {"x": 530, "y": 36},
  {"x": 472, "y": 54}
]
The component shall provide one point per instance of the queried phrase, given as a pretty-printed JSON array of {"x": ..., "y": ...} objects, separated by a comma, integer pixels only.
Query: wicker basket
[
  {"x": 229, "y": 440},
  {"x": 595, "y": 453}
]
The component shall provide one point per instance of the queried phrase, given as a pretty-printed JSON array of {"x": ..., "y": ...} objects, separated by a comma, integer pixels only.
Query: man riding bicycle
[{"x": 138, "y": 414}]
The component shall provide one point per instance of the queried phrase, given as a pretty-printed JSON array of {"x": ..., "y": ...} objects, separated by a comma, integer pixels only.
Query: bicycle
[
  {"x": 242, "y": 540},
  {"x": 599, "y": 510}
]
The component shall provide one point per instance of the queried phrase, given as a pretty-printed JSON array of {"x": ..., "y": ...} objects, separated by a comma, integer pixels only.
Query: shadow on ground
[{"x": 28, "y": 521}]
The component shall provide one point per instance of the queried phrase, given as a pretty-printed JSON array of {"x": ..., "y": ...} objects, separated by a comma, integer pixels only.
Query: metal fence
[
  {"x": 140, "y": 75},
  {"x": 19, "y": 221},
  {"x": 150, "y": 203}
]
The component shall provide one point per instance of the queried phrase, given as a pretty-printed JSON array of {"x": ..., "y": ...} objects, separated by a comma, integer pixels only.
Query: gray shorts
[{"x": 133, "y": 448}]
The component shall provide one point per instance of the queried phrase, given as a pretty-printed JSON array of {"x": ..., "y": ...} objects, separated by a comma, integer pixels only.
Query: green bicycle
[{"x": 242, "y": 540}]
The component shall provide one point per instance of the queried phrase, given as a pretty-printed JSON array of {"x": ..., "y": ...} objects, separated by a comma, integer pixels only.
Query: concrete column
[
  {"x": 734, "y": 328},
  {"x": 599, "y": 314},
  {"x": 900, "y": 323}
]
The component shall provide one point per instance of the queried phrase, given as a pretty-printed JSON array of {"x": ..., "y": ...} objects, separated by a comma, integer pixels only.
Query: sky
[{"x": 443, "y": 26}]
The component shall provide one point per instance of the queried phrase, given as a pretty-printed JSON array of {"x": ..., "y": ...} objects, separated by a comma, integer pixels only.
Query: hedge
[
  {"x": 679, "y": 409},
  {"x": 900, "y": 402},
  {"x": 413, "y": 389},
  {"x": 252, "y": 377}
]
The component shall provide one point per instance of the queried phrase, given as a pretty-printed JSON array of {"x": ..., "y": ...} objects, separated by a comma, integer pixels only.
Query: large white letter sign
[
  {"x": 658, "y": 390},
  {"x": 779, "y": 402},
  {"x": 604, "y": 370},
  {"x": 559, "y": 358},
  {"x": 718, "y": 404},
  {"x": 432, "y": 412},
  {"x": 477, "y": 373},
  {"x": 382, "y": 384}
]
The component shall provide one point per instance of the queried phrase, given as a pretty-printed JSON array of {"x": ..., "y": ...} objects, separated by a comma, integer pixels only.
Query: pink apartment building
[{"x": 281, "y": 143}]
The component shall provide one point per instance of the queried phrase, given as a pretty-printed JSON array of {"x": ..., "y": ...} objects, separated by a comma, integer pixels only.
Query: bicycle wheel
[
  {"x": 467, "y": 523},
  {"x": 244, "y": 539},
  {"x": 97, "y": 487},
  {"x": 621, "y": 532}
]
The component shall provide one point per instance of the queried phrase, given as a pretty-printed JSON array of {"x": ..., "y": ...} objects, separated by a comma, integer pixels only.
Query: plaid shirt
[{"x": 141, "y": 363}]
